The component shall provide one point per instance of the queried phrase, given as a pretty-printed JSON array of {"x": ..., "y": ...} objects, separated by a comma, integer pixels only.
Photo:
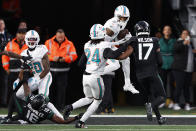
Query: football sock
[
  {"x": 126, "y": 69},
  {"x": 91, "y": 109},
  {"x": 157, "y": 101},
  {"x": 11, "y": 106},
  {"x": 53, "y": 108},
  {"x": 156, "y": 111},
  {"x": 82, "y": 102}
]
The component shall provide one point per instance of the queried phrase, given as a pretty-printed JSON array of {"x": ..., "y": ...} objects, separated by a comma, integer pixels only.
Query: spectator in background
[
  {"x": 166, "y": 48},
  {"x": 61, "y": 54},
  {"x": 183, "y": 67},
  {"x": 22, "y": 25},
  {"x": 5, "y": 37},
  {"x": 11, "y": 65}
]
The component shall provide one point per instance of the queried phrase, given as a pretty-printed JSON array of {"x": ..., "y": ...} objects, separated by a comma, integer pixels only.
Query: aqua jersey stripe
[
  {"x": 95, "y": 30},
  {"x": 100, "y": 88},
  {"x": 47, "y": 86}
]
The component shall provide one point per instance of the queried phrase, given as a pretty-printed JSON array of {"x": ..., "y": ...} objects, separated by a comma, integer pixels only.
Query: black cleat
[
  {"x": 161, "y": 120},
  {"x": 149, "y": 111},
  {"x": 67, "y": 111},
  {"x": 80, "y": 124}
]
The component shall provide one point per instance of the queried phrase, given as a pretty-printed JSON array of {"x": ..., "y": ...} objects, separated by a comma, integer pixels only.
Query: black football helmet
[
  {"x": 142, "y": 28},
  {"x": 38, "y": 101}
]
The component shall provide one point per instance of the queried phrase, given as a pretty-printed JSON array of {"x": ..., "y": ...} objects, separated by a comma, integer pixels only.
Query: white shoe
[
  {"x": 187, "y": 107},
  {"x": 176, "y": 107},
  {"x": 131, "y": 88},
  {"x": 171, "y": 105},
  {"x": 162, "y": 105}
]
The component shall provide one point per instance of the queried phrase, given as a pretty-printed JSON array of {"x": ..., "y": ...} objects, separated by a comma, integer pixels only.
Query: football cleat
[
  {"x": 149, "y": 111},
  {"x": 67, "y": 111},
  {"x": 161, "y": 120},
  {"x": 80, "y": 124},
  {"x": 131, "y": 88}
]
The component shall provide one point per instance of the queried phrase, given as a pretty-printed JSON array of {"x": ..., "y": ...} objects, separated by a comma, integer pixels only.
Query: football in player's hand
[{"x": 122, "y": 34}]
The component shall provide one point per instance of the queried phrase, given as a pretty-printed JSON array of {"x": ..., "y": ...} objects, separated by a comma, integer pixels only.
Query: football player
[
  {"x": 96, "y": 53},
  {"x": 147, "y": 56},
  {"x": 39, "y": 66},
  {"x": 115, "y": 26},
  {"x": 34, "y": 111}
]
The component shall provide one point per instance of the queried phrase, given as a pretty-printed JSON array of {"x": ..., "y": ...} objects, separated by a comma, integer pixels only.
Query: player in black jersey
[
  {"x": 147, "y": 57},
  {"x": 34, "y": 111}
]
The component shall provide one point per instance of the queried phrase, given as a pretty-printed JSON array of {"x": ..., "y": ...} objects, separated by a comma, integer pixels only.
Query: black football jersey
[
  {"x": 145, "y": 55},
  {"x": 36, "y": 116}
]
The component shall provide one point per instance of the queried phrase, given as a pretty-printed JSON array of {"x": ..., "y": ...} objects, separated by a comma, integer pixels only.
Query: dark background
[{"x": 76, "y": 17}]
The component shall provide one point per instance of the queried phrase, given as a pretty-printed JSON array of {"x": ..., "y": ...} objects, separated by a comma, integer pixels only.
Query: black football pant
[
  {"x": 107, "y": 101},
  {"x": 58, "y": 89},
  {"x": 3, "y": 86},
  {"x": 183, "y": 82},
  {"x": 153, "y": 91}
]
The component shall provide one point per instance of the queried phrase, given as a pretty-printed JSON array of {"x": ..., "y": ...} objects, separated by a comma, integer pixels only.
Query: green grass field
[
  {"x": 95, "y": 128},
  {"x": 118, "y": 111}
]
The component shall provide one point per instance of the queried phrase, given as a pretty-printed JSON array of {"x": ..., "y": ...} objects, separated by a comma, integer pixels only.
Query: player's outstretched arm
[
  {"x": 126, "y": 54},
  {"x": 14, "y": 55},
  {"x": 59, "y": 120},
  {"x": 46, "y": 65}
]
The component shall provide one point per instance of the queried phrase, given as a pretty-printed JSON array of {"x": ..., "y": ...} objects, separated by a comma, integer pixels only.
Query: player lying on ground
[
  {"x": 96, "y": 53},
  {"x": 34, "y": 111},
  {"x": 147, "y": 56},
  {"x": 36, "y": 56}
]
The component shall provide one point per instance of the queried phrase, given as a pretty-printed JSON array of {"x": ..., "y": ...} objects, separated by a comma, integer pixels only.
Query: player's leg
[
  {"x": 53, "y": 108},
  {"x": 44, "y": 85},
  {"x": 159, "y": 97},
  {"x": 145, "y": 91},
  {"x": 126, "y": 70},
  {"x": 97, "y": 88},
  {"x": 83, "y": 101}
]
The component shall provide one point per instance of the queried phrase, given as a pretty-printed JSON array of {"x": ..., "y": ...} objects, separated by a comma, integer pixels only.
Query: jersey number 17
[{"x": 144, "y": 45}]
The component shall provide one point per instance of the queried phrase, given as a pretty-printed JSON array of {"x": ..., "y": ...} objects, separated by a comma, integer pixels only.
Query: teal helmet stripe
[
  {"x": 124, "y": 10},
  {"x": 32, "y": 32},
  {"x": 95, "y": 30}
]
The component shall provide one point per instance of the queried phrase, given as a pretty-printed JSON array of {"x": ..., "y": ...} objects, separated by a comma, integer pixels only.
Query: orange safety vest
[
  {"x": 13, "y": 47},
  {"x": 65, "y": 50}
]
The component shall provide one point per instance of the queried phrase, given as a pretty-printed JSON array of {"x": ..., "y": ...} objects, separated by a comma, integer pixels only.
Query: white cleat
[{"x": 130, "y": 88}]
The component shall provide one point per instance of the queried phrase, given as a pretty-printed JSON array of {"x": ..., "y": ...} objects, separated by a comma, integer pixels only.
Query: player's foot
[
  {"x": 176, "y": 107},
  {"x": 171, "y": 105},
  {"x": 67, "y": 111},
  {"x": 149, "y": 111},
  {"x": 187, "y": 107},
  {"x": 80, "y": 124},
  {"x": 162, "y": 105},
  {"x": 131, "y": 88},
  {"x": 161, "y": 120}
]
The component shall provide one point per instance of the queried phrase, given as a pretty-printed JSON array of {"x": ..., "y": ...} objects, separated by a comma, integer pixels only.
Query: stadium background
[{"x": 77, "y": 16}]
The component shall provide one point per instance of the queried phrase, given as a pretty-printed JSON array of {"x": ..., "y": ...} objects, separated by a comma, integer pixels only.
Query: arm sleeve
[
  {"x": 159, "y": 59},
  {"x": 112, "y": 66},
  {"x": 82, "y": 61},
  {"x": 72, "y": 56},
  {"x": 6, "y": 59}
]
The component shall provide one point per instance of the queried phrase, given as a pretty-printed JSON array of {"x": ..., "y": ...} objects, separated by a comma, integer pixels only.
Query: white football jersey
[
  {"x": 95, "y": 60},
  {"x": 36, "y": 61}
]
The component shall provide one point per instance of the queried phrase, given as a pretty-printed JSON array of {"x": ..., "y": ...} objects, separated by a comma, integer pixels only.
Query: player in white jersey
[
  {"x": 97, "y": 51},
  {"x": 39, "y": 66},
  {"x": 114, "y": 26}
]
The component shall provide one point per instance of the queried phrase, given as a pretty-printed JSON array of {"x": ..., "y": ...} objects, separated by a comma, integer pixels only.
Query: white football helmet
[
  {"x": 112, "y": 25},
  {"x": 32, "y": 39},
  {"x": 122, "y": 11},
  {"x": 97, "y": 31}
]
